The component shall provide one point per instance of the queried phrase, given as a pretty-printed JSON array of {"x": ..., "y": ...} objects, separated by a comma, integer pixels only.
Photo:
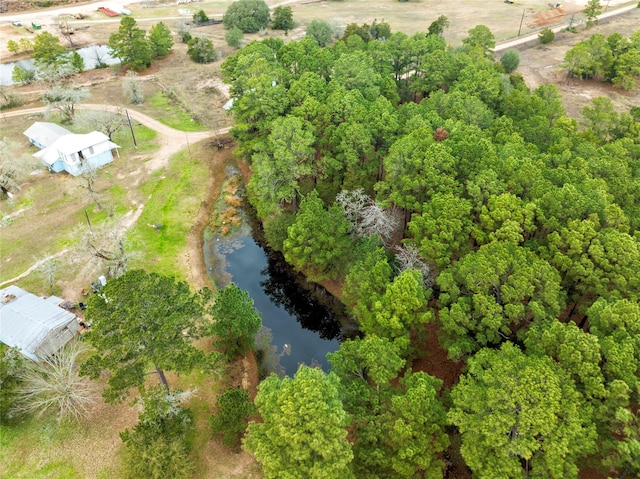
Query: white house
[
  {"x": 37, "y": 327},
  {"x": 43, "y": 134},
  {"x": 70, "y": 152}
]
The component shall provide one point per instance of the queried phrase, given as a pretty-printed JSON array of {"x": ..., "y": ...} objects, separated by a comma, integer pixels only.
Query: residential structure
[
  {"x": 74, "y": 153},
  {"x": 36, "y": 326}
]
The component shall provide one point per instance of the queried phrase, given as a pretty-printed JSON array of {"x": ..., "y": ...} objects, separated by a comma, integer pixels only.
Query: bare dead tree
[
  {"x": 352, "y": 202},
  {"x": 380, "y": 221},
  {"x": 13, "y": 168},
  {"x": 89, "y": 177},
  {"x": 105, "y": 243},
  {"x": 48, "y": 270},
  {"x": 64, "y": 99},
  {"x": 408, "y": 258},
  {"x": 366, "y": 216},
  {"x": 131, "y": 88},
  {"x": 105, "y": 121},
  {"x": 54, "y": 385}
]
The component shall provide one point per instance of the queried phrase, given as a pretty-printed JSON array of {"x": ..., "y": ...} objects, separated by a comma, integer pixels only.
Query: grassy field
[{"x": 174, "y": 197}]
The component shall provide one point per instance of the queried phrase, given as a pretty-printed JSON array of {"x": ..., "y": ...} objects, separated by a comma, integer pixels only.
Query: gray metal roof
[
  {"x": 27, "y": 319},
  {"x": 45, "y": 133}
]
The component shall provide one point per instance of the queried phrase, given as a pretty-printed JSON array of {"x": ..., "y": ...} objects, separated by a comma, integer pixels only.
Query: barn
[{"x": 35, "y": 326}]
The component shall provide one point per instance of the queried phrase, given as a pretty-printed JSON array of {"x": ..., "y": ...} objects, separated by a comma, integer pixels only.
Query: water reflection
[
  {"x": 302, "y": 322},
  {"x": 92, "y": 56},
  {"x": 283, "y": 287}
]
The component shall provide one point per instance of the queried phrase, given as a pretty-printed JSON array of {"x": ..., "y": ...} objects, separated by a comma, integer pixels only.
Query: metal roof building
[
  {"x": 43, "y": 134},
  {"x": 37, "y": 327}
]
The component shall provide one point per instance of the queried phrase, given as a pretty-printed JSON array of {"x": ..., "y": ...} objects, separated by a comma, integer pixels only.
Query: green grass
[
  {"x": 35, "y": 440},
  {"x": 172, "y": 115},
  {"x": 145, "y": 139},
  {"x": 162, "y": 229}
]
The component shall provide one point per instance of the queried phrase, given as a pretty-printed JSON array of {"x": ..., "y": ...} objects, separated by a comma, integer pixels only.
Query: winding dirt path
[{"x": 171, "y": 142}]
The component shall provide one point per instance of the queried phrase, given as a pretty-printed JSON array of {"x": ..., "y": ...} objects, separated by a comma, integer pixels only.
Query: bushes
[
  {"x": 200, "y": 17},
  {"x": 201, "y": 50},
  {"x": 158, "y": 446},
  {"x": 510, "y": 60},
  {"x": 546, "y": 36},
  {"x": 232, "y": 416},
  {"x": 11, "y": 363},
  {"x": 234, "y": 37}
]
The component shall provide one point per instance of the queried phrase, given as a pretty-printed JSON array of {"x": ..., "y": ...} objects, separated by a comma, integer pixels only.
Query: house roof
[
  {"x": 72, "y": 143},
  {"x": 45, "y": 133},
  {"x": 27, "y": 319}
]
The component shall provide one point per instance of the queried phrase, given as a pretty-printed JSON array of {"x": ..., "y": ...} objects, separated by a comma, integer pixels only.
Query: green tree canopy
[
  {"x": 247, "y": 15},
  {"x": 282, "y": 18},
  {"x": 283, "y": 162},
  {"x": 158, "y": 446},
  {"x": 235, "y": 321},
  {"x": 520, "y": 415},
  {"x": 493, "y": 293},
  {"x": 130, "y": 45},
  {"x": 302, "y": 434},
  {"x": 318, "y": 240},
  {"x": 480, "y": 37},
  {"x": 160, "y": 40},
  {"x": 320, "y": 31},
  {"x": 142, "y": 320},
  {"x": 231, "y": 419},
  {"x": 47, "y": 49}
]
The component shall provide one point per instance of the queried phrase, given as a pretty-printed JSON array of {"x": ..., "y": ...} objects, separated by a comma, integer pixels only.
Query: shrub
[
  {"x": 510, "y": 60},
  {"x": 200, "y": 17},
  {"x": 320, "y": 31},
  {"x": 54, "y": 385},
  {"x": 282, "y": 19},
  {"x": 23, "y": 75},
  {"x": 546, "y": 36},
  {"x": 11, "y": 363},
  {"x": 234, "y": 37},
  {"x": 201, "y": 50},
  {"x": 232, "y": 416},
  {"x": 248, "y": 15}
]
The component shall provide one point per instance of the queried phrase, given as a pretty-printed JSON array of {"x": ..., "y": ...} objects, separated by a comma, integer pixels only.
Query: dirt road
[{"x": 171, "y": 140}]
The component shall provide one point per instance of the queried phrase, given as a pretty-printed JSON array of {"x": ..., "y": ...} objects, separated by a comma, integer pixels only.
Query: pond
[
  {"x": 91, "y": 56},
  {"x": 304, "y": 320}
]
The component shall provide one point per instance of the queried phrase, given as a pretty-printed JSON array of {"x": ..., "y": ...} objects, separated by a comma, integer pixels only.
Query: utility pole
[
  {"x": 521, "y": 20},
  {"x": 131, "y": 128}
]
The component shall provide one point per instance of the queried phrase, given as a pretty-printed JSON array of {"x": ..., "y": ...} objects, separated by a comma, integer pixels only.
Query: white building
[{"x": 37, "y": 327}]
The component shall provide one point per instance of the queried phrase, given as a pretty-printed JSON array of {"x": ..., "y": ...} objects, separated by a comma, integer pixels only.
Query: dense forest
[{"x": 446, "y": 197}]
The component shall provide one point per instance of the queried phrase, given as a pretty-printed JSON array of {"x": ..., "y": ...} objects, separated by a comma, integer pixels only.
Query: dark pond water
[
  {"x": 304, "y": 321},
  {"x": 90, "y": 56}
]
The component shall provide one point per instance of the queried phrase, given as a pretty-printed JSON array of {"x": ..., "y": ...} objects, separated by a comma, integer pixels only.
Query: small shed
[
  {"x": 76, "y": 153},
  {"x": 42, "y": 133},
  {"x": 36, "y": 326}
]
